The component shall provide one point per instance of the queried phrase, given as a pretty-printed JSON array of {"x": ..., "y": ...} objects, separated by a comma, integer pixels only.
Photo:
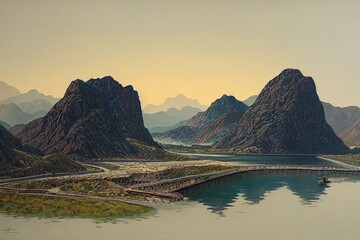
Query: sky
[{"x": 202, "y": 49}]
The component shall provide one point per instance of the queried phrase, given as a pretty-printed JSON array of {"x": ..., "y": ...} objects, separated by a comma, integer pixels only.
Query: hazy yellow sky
[{"x": 200, "y": 48}]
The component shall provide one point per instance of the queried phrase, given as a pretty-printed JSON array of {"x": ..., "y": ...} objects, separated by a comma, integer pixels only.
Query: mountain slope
[
  {"x": 17, "y": 160},
  {"x": 287, "y": 118},
  {"x": 178, "y": 102},
  {"x": 7, "y": 91},
  {"x": 7, "y": 144},
  {"x": 209, "y": 126},
  {"x": 92, "y": 120},
  {"x": 351, "y": 136}
]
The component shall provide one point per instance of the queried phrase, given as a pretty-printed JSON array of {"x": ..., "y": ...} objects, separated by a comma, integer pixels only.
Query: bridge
[{"x": 153, "y": 188}]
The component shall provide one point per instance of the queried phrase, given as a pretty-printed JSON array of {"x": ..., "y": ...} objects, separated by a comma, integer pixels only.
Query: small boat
[{"x": 324, "y": 181}]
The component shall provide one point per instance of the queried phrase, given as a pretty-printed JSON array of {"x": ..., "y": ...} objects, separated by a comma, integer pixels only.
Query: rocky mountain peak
[
  {"x": 287, "y": 117},
  {"x": 94, "y": 119}
]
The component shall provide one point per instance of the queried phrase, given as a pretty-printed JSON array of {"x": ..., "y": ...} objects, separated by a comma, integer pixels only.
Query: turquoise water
[{"x": 219, "y": 195}]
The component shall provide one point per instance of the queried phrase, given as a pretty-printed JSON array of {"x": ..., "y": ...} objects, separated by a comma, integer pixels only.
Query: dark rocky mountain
[
  {"x": 341, "y": 119},
  {"x": 177, "y": 102},
  {"x": 30, "y": 96},
  {"x": 93, "y": 119},
  {"x": 157, "y": 122},
  {"x": 351, "y": 136},
  {"x": 13, "y": 115},
  {"x": 287, "y": 118},
  {"x": 209, "y": 126},
  {"x": 7, "y": 91}
]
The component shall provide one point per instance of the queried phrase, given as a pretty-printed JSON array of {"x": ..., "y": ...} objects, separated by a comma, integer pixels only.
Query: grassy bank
[{"x": 51, "y": 206}]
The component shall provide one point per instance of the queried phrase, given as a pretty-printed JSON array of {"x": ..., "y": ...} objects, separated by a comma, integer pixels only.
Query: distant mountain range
[
  {"x": 30, "y": 96},
  {"x": 287, "y": 118},
  {"x": 209, "y": 126},
  {"x": 23, "y": 108},
  {"x": 13, "y": 115},
  {"x": 165, "y": 120},
  {"x": 178, "y": 102}
]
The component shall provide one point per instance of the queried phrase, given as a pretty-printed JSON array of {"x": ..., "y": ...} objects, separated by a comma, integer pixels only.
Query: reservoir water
[{"x": 273, "y": 205}]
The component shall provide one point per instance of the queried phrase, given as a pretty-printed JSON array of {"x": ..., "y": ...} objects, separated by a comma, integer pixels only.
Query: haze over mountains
[
  {"x": 19, "y": 108},
  {"x": 161, "y": 121},
  {"x": 7, "y": 91},
  {"x": 178, "y": 102}
]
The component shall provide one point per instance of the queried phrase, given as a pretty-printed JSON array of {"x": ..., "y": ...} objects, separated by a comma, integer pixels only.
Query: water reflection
[{"x": 220, "y": 194}]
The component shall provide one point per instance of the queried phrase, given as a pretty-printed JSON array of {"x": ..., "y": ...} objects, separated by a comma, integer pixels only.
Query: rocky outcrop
[
  {"x": 287, "y": 118},
  {"x": 93, "y": 119},
  {"x": 209, "y": 126}
]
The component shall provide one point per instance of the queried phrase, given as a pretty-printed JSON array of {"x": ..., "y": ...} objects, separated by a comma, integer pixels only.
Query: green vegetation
[
  {"x": 50, "y": 206},
  {"x": 100, "y": 188},
  {"x": 156, "y": 153},
  {"x": 192, "y": 170},
  {"x": 353, "y": 159}
]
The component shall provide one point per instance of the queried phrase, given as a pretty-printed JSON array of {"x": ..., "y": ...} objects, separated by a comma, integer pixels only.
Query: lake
[{"x": 274, "y": 205}]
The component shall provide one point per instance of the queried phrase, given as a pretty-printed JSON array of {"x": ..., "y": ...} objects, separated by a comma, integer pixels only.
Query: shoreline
[{"x": 348, "y": 165}]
